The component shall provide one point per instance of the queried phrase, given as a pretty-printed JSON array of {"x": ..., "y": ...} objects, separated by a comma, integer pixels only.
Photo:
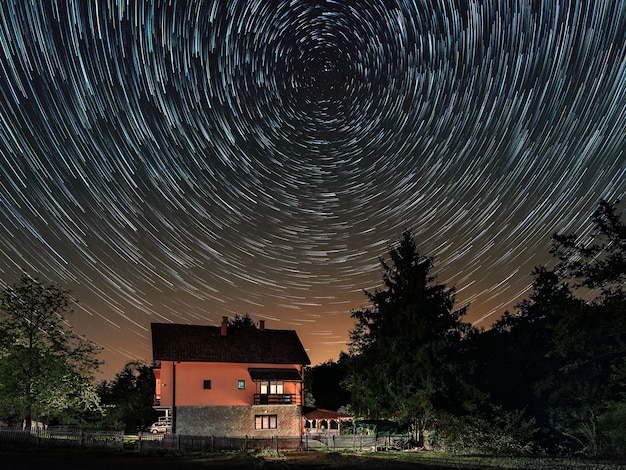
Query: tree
[
  {"x": 592, "y": 340},
  {"x": 241, "y": 321},
  {"x": 516, "y": 365},
  {"x": 46, "y": 368},
  {"x": 404, "y": 347},
  {"x": 598, "y": 263},
  {"x": 326, "y": 382},
  {"x": 129, "y": 397}
]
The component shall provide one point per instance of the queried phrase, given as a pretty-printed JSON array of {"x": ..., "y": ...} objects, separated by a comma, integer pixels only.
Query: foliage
[
  {"x": 561, "y": 357},
  {"x": 612, "y": 424},
  {"x": 326, "y": 383},
  {"x": 241, "y": 321},
  {"x": 498, "y": 432},
  {"x": 599, "y": 263},
  {"x": 129, "y": 397},
  {"x": 514, "y": 364},
  {"x": 401, "y": 347},
  {"x": 46, "y": 369},
  {"x": 551, "y": 375},
  {"x": 591, "y": 340}
]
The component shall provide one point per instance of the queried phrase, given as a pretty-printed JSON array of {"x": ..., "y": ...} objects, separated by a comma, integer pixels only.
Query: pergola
[{"x": 321, "y": 421}]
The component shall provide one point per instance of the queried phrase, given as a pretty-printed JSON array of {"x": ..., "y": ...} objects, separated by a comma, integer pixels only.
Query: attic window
[
  {"x": 207, "y": 385},
  {"x": 241, "y": 384}
]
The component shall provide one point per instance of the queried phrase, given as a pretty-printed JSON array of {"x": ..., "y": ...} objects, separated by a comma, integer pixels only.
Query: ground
[
  {"x": 34, "y": 458},
  {"x": 73, "y": 459}
]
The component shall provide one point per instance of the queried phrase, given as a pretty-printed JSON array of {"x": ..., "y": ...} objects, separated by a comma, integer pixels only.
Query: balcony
[{"x": 274, "y": 399}]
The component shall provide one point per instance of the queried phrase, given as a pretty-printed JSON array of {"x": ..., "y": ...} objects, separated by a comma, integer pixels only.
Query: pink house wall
[{"x": 224, "y": 377}]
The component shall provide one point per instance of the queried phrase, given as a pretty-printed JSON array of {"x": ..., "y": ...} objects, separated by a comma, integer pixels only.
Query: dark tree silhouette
[
  {"x": 592, "y": 340},
  {"x": 241, "y": 321},
  {"x": 129, "y": 397},
  {"x": 402, "y": 346},
  {"x": 600, "y": 262},
  {"x": 327, "y": 384},
  {"x": 561, "y": 358}
]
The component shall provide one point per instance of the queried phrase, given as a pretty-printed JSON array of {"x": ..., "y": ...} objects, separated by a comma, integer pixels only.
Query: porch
[{"x": 277, "y": 386}]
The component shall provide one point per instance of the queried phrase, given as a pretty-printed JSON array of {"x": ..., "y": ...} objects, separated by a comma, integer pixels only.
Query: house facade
[{"x": 244, "y": 382}]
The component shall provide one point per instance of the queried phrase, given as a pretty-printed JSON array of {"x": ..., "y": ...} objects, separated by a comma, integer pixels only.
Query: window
[
  {"x": 272, "y": 388},
  {"x": 207, "y": 385},
  {"x": 241, "y": 384},
  {"x": 266, "y": 422}
]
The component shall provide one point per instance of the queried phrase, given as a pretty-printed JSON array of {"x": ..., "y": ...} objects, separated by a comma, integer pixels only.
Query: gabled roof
[{"x": 174, "y": 342}]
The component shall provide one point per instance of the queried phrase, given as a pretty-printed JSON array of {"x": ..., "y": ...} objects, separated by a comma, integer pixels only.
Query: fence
[
  {"x": 341, "y": 442},
  {"x": 216, "y": 443},
  {"x": 147, "y": 441},
  {"x": 66, "y": 437},
  {"x": 358, "y": 442}
]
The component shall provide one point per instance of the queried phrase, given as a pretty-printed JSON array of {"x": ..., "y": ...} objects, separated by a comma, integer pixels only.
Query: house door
[{"x": 265, "y": 386}]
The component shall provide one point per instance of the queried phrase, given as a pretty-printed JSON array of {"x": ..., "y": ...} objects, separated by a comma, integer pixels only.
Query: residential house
[{"x": 211, "y": 380}]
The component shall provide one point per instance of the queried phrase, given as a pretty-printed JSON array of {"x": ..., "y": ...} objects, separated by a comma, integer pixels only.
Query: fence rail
[
  {"x": 358, "y": 442},
  {"x": 216, "y": 443},
  {"x": 75, "y": 437},
  {"x": 148, "y": 441}
]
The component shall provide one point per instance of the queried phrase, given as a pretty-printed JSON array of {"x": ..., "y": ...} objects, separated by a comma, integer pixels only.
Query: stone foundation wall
[{"x": 235, "y": 421}]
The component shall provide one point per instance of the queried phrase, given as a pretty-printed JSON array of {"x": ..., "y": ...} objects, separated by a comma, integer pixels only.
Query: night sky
[{"x": 180, "y": 161}]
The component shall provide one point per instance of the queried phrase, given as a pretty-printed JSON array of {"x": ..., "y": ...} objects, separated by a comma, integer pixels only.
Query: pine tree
[{"x": 403, "y": 346}]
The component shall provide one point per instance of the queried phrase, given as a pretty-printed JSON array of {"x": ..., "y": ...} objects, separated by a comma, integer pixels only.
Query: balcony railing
[{"x": 274, "y": 399}]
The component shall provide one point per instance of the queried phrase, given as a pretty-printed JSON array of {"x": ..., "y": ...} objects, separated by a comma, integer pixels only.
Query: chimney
[
  {"x": 224, "y": 326},
  {"x": 261, "y": 324}
]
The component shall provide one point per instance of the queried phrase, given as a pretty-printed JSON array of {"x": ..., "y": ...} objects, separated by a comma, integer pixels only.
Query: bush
[{"x": 501, "y": 433}]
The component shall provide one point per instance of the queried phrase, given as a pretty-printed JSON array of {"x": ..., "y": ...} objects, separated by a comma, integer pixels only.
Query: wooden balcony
[{"x": 275, "y": 399}]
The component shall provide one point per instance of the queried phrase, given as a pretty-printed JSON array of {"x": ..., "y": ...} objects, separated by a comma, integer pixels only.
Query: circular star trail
[{"x": 180, "y": 161}]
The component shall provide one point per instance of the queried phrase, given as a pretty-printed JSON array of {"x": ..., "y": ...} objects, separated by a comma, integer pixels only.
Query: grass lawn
[{"x": 33, "y": 458}]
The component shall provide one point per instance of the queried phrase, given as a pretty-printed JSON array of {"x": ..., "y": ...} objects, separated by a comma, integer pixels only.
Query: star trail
[{"x": 176, "y": 161}]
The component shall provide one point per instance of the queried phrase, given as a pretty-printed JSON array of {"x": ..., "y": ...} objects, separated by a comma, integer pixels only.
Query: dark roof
[
  {"x": 288, "y": 375},
  {"x": 173, "y": 342},
  {"x": 320, "y": 413}
]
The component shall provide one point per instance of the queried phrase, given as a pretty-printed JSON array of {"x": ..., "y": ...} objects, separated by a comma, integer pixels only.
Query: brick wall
[{"x": 237, "y": 421}]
